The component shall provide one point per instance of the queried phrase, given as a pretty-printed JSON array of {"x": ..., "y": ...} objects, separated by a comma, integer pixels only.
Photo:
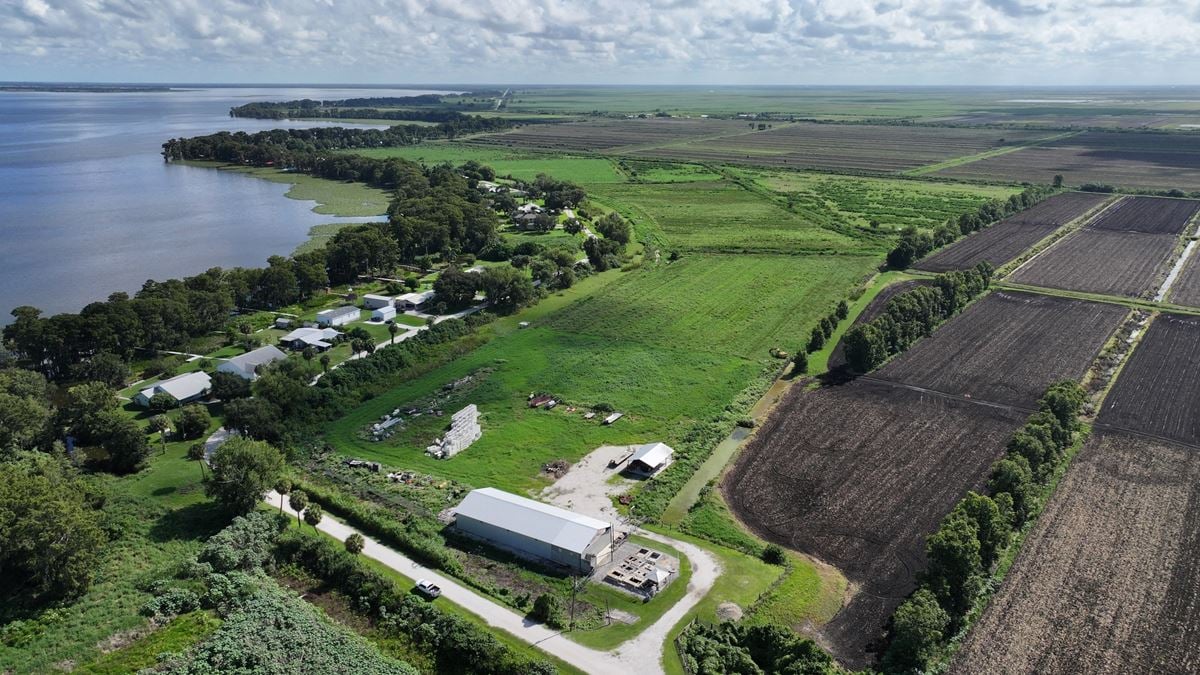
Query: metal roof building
[
  {"x": 182, "y": 388},
  {"x": 246, "y": 365},
  {"x": 338, "y": 316},
  {"x": 651, "y": 458},
  {"x": 536, "y": 530}
]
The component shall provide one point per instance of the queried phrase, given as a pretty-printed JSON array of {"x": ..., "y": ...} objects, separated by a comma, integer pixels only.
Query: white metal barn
[
  {"x": 651, "y": 458},
  {"x": 338, "y": 316},
  {"x": 246, "y": 365},
  {"x": 384, "y": 313},
  {"x": 373, "y": 301},
  {"x": 536, "y": 530},
  {"x": 414, "y": 301}
]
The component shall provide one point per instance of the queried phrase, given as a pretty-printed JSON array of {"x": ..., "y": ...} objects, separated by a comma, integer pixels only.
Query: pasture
[
  {"x": 614, "y": 135},
  {"x": 1127, "y": 264},
  {"x": 1007, "y": 348},
  {"x": 1004, "y": 241},
  {"x": 1106, "y": 581},
  {"x": 1156, "y": 391},
  {"x": 722, "y": 217},
  {"x": 522, "y": 165},
  {"x": 1131, "y": 160},
  {"x": 857, "y": 476}
]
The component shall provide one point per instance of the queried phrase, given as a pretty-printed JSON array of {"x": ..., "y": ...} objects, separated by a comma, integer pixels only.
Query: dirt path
[{"x": 642, "y": 654}]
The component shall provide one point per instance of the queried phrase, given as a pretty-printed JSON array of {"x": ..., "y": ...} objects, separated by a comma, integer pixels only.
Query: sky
[{"x": 895, "y": 42}]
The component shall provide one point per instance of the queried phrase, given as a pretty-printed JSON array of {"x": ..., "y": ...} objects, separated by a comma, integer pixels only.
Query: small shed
[
  {"x": 414, "y": 301},
  {"x": 384, "y": 313},
  {"x": 650, "y": 458}
]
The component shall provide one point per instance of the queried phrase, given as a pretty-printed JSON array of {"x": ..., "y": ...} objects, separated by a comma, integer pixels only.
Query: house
[
  {"x": 318, "y": 338},
  {"x": 282, "y": 322},
  {"x": 650, "y": 458},
  {"x": 384, "y": 314},
  {"x": 414, "y": 301},
  {"x": 246, "y": 365},
  {"x": 372, "y": 301},
  {"x": 183, "y": 388},
  {"x": 526, "y": 221},
  {"x": 535, "y": 530},
  {"x": 529, "y": 207},
  {"x": 338, "y": 316}
]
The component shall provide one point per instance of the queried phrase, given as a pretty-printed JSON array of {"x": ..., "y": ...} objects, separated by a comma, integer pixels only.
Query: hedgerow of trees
[
  {"x": 970, "y": 541},
  {"x": 912, "y": 315},
  {"x": 914, "y": 244},
  {"x": 731, "y": 647}
]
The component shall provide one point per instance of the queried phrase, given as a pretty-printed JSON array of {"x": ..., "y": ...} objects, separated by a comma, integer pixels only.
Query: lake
[{"x": 89, "y": 207}]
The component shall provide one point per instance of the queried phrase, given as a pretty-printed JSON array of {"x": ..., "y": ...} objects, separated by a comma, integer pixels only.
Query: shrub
[
  {"x": 548, "y": 609},
  {"x": 193, "y": 421},
  {"x": 774, "y": 554},
  {"x": 162, "y": 402}
]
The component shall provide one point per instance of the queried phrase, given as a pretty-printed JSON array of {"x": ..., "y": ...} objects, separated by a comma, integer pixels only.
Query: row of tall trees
[
  {"x": 914, "y": 243},
  {"x": 912, "y": 315},
  {"x": 966, "y": 547}
]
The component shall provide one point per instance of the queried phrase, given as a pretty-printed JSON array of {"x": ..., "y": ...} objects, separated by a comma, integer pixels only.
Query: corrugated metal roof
[
  {"x": 181, "y": 386},
  {"x": 533, "y": 519},
  {"x": 344, "y": 310},
  {"x": 253, "y": 359},
  {"x": 652, "y": 454}
]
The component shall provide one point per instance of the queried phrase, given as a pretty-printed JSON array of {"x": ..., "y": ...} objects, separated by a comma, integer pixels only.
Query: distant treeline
[
  {"x": 379, "y": 109},
  {"x": 912, "y": 315},
  {"x": 915, "y": 244}
]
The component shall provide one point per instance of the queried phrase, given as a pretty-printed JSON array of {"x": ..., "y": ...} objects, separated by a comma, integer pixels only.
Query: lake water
[{"x": 89, "y": 207}]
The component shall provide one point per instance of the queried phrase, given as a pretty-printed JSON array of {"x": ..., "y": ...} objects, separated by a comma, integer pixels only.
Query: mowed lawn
[
  {"x": 719, "y": 216},
  {"x": 725, "y": 304},
  {"x": 522, "y": 165}
]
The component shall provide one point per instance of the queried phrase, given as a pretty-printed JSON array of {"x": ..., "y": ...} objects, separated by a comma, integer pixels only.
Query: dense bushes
[
  {"x": 730, "y": 647},
  {"x": 912, "y": 315},
  {"x": 457, "y": 645},
  {"x": 914, "y": 244},
  {"x": 972, "y": 538}
]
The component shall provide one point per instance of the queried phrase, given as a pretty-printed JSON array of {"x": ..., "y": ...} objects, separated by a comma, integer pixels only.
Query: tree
[
  {"x": 613, "y": 226},
  {"x": 162, "y": 402},
  {"x": 918, "y": 629},
  {"x": 103, "y": 367},
  {"x": 816, "y": 340},
  {"x": 254, "y": 418},
  {"x": 298, "y": 502},
  {"x": 455, "y": 287},
  {"x": 123, "y": 439},
  {"x": 548, "y": 609},
  {"x": 955, "y": 566},
  {"x": 800, "y": 362},
  {"x": 354, "y": 543},
  {"x": 507, "y": 288},
  {"x": 827, "y": 325},
  {"x": 227, "y": 386},
  {"x": 25, "y": 410},
  {"x": 1058, "y": 180},
  {"x": 159, "y": 423},
  {"x": 392, "y": 330},
  {"x": 325, "y": 361},
  {"x": 283, "y": 486},
  {"x": 313, "y": 514},
  {"x": 242, "y": 472},
  {"x": 993, "y": 525},
  {"x": 773, "y": 554},
  {"x": 309, "y": 353},
  {"x": 842, "y": 311},
  {"x": 50, "y": 530},
  {"x": 193, "y": 421},
  {"x": 1013, "y": 476}
]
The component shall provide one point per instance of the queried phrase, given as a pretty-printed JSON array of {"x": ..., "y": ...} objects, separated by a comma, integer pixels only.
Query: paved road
[{"x": 643, "y": 654}]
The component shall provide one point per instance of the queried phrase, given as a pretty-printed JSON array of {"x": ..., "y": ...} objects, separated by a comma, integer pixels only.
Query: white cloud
[{"x": 864, "y": 41}]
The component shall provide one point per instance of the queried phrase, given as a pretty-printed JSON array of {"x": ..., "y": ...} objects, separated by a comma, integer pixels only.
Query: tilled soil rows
[
  {"x": 1126, "y": 264},
  {"x": 858, "y": 476},
  {"x": 1009, "y": 238},
  {"x": 1007, "y": 348},
  {"x": 1148, "y": 215},
  {"x": 1108, "y": 581},
  {"x": 1157, "y": 391}
]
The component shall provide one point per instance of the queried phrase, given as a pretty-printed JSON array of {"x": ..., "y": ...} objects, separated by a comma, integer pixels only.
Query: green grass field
[
  {"x": 719, "y": 216},
  {"x": 334, "y": 198},
  {"x": 737, "y": 305}
]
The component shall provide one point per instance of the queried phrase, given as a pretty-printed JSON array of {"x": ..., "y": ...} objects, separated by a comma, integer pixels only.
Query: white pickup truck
[{"x": 428, "y": 588}]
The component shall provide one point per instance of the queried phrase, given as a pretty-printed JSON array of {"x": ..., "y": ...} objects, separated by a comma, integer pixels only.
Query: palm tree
[{"x": 393, "y": 329}]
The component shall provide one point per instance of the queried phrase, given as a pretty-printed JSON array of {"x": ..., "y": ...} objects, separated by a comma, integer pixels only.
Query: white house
[
  {"x": 318, "y": 338},
  {"x": 183, "y": 388},
  {"x": 529, "y": 207},
  {"x": 651, "y": 458},
  {"x": 414, "y": 301},
  {"x": 246, "y": 365},
  {"x": 372, "y": 301},
  {"x": 383, "y": 313},
  {"x": 535, "y": 530},
  {"x": 338, "y": 316}
]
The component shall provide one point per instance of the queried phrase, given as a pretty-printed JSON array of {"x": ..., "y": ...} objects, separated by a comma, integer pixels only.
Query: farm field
[
  {"x": 1132, "y": 160},
  {"x": 1185, "y": 290},
  {"x": 893, "y": 202},
  {"x": 1007, "y": 239},
  {"x": 1106, "y": 581},
  {"x": 722, "y": 217},
  {"x": 1148, "y": 215},
  {"x": 720, "y": 304},
  {"x": 858, "y": 147},
  {"x": 857, "y": 476},
  {"x": 1128, "y": 264},
  {"x": 1007, "y": 348},
  {"x": 612, "y": 134},
  {"x": 1157, "y": 389}
]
